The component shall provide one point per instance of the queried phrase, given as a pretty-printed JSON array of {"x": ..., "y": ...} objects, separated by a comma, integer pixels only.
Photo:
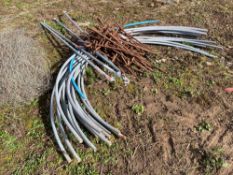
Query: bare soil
[{"x": 164, "y": 139}]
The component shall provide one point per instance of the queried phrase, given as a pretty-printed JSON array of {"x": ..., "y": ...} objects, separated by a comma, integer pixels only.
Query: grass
[
  {"x": 191, "y": 79},
  {"x": 8, "y": 141},
  {"x": 34, "y": 152},
  {"x": 105, "y": 156},
  {"x": 34, "y": 155},
  {"x": 35, "y": 128},
  {"x": 7, "y": 2},
  {"x": 82, "y": 169},
  {"x": 31, "y": 164},
  {"x": 56, "y": 26}
]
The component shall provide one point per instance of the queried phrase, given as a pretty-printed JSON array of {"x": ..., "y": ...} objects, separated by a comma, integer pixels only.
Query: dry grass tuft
[{"x": 23, "y": 68}]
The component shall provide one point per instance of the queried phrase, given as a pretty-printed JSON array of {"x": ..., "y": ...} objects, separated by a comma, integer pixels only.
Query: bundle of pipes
[
  {"x": 152, "y": 35},
  {"x": 69, "y": 106},
  {"x": 72, "y": 108}
]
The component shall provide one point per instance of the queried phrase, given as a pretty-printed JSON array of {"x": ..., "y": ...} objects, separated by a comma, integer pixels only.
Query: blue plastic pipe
[{"x": 141, "y": 23}]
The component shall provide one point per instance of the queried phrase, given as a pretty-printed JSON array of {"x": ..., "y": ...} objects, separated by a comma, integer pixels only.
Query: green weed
[
  {"x": 106, "y": 91},
  {"x": 203, "y": 126},
  {"x": 7, "y": 2},
  {"x": 91, "y": 77},
  {"x": 116, "y": 84},
  {"x": 156, "y": 76},
  {"x": 154, "y": 90},
  {"x": 175, "y": 82},
  {"x": 138, "y": 109},
  {"x": 213, "y": 160}
]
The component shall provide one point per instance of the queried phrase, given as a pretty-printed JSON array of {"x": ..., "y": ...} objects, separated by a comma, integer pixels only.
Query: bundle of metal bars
[{"x": 124, "y": 50}]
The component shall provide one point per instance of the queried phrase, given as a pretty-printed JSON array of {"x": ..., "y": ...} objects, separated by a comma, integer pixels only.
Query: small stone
[
  {"x": 209, "y": 63},
  {"x": 168, "y": 1},
  {"x": 152, "y": 4}
]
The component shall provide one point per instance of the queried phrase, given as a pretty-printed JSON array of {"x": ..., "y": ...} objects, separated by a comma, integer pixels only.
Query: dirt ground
[{"x": 187, "y": 122}]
